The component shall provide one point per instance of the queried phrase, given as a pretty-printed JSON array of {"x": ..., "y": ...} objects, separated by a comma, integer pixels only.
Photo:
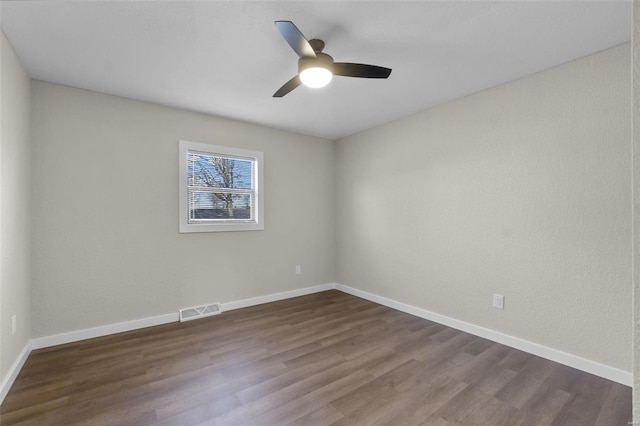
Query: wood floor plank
[
  {"x": 423, "y": 402},
  {"x": 322, "y": 396},
  {"x": 435, "y": 420},
  {"x": 31, "y": 413},
  {"x": 495, "y": 413},
  {"x": 318, "y": 360},
  {"x": 519, "y": 392},
  {"x": 323, "y": 416},
  {"x": 464, "y": 403},
  {"x": 614, "y": 410},
  {"x": 379, "y": 406},
  {"x": 544, "y": 407}
]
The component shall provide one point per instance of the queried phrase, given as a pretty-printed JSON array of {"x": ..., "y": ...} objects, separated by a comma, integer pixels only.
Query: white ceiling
[{"x": 227, "y": 58}]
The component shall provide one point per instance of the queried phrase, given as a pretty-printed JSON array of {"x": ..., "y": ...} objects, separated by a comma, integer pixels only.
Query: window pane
[
  {"x": 219, "y": 206},
  {"x": 220, "y": 188},
  {"x": 219, "y": 172}
]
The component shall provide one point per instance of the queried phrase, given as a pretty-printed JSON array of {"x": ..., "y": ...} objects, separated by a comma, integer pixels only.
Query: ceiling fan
[{"x": 316, "y": 69}]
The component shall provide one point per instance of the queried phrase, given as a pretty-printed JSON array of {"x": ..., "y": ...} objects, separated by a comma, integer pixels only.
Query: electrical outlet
[
  {"x": 298, "y": 270},
  {"x": 13, "y": 324},
  {"x": 498, "y": 301}
]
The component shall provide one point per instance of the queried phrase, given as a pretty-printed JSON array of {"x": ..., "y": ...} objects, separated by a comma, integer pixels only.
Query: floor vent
[{"x": 188, "y": 314}]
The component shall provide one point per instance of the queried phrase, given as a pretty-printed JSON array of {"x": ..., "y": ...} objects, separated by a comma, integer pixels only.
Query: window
[{"x": 220, "y": 188}]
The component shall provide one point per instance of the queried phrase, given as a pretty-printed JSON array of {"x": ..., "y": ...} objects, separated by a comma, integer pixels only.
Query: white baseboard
[
  {"x": 89, "y": 333},
  {"x": 104, "y": 330},
  {"x": 244, "y": 303},
  {"x": 593, "y": 367},
  {"x": 8, "y": 380},
  {"x": 589, "y": 366}
]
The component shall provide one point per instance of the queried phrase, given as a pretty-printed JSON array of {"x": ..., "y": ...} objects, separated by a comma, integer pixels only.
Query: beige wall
[
  {"x": 522, "y": 190},
  {"x": 15, "y": 225},
  {"x": 636, "y": 209},
  {"x": 105, "y": 213}
]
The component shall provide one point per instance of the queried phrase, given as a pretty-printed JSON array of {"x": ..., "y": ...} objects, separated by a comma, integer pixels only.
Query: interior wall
[
  {"x": 105, "y": 213},
  {"x": 636, "y": 209},
  {"x": 15, "y": 228},
  {"x": 521, "y": 190}
]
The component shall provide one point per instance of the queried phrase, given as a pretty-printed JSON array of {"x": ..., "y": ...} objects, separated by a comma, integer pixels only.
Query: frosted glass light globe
[{"x": 315, "y": 77}]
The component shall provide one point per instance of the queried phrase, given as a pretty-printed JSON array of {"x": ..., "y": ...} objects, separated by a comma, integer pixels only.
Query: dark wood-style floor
[{"x": 323, "y": 359}]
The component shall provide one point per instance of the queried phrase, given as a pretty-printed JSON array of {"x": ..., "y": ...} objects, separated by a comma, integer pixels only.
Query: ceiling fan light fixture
[
  {"x": 315, "y": 68},
  {"x": 316, "y": 77}
]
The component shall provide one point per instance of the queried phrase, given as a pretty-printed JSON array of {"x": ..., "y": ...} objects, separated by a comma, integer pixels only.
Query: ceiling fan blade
[
  {"x": 287, "y": 87},
  {"x": 296, "y": 40},
  {"x": 347, "y": 69}
]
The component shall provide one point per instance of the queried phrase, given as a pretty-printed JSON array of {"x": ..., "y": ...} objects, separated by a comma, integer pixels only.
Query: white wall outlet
[
  {"x": 298, "y": 270},
  {"x": 498, "y": 301},
  {"x": 13, "y": 324}
]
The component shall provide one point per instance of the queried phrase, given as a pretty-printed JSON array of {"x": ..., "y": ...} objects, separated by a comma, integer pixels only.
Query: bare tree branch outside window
[{"x": 221, "y": 187}]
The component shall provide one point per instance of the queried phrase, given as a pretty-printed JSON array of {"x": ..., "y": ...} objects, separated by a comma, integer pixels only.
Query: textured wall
[
  {"x": 15, "y": 227},
  {"x": 636, "y": 209},
  {"x": 106, "y": 241},
  {"x": 522, "y": 189}
]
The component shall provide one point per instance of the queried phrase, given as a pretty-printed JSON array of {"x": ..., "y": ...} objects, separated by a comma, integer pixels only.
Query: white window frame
[{"x": 257, "y": 224}]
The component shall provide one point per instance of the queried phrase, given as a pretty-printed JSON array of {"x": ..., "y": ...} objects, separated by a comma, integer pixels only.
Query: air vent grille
[{"x": 188, "y": 314}]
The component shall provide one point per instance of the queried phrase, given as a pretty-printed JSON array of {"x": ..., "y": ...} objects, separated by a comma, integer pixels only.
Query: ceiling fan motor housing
[{"x": 321, "y": 60}]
